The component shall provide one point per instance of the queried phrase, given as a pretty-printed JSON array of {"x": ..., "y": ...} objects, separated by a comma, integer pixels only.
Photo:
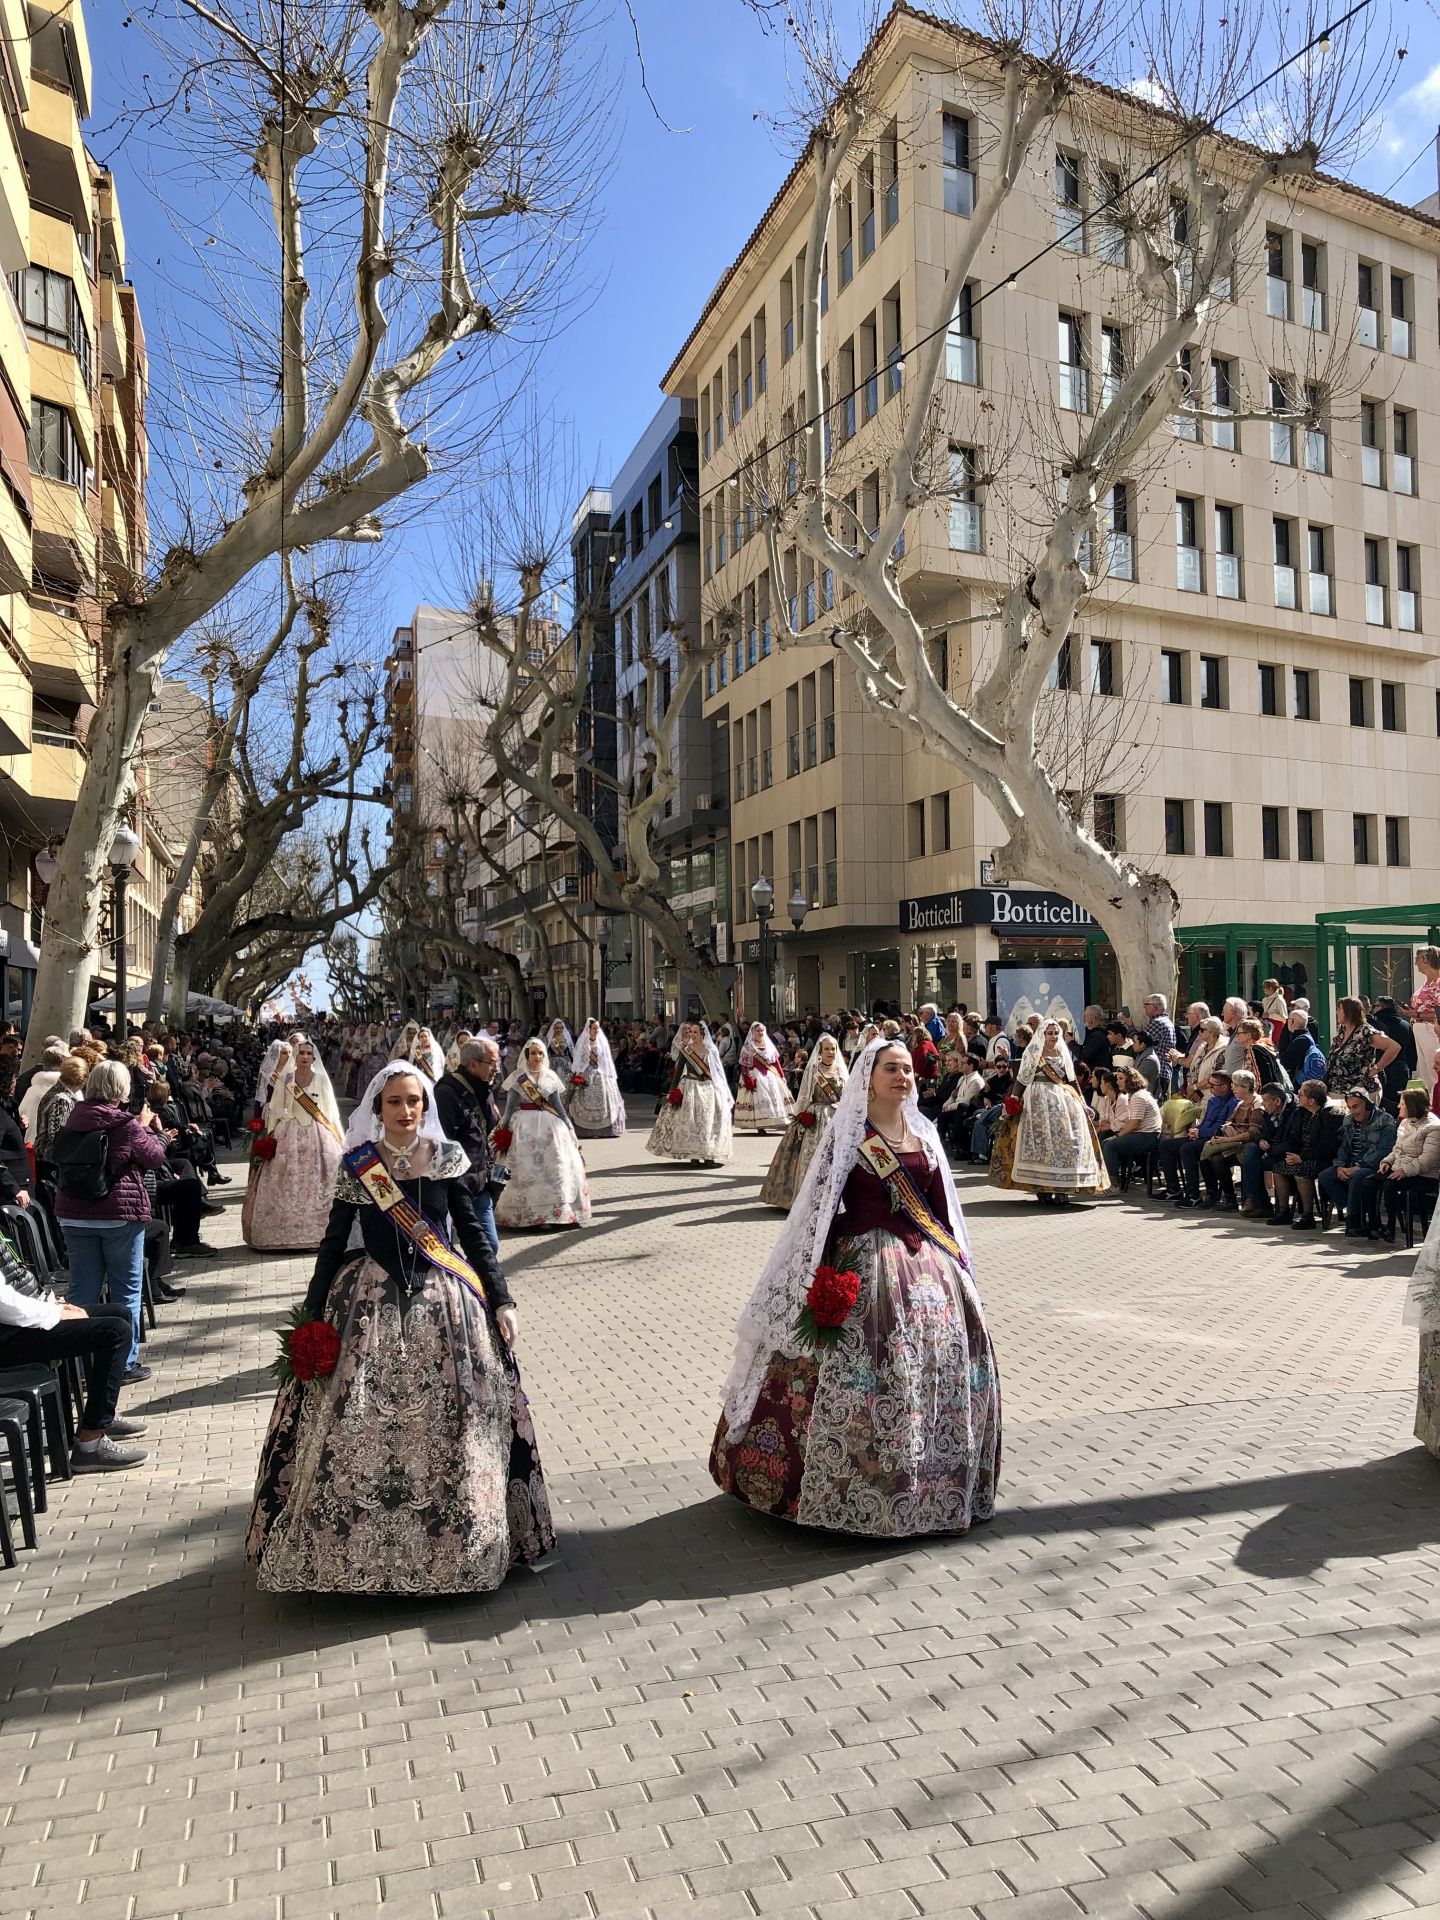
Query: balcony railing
[
  {"x": 1227, "y": 575},
  {"x": 1074, "y": 387},
  {"x": 810, "y": 744},
  {"x": 1407, "y": 612},
  {"x": 1285, "y": 587},
  {"x": 792, "y": 757},
  {"x": 1372, "y": 467},
  {"x": 1367, "y": 326},
  {"x": 962, "y": 361},
  {"x": 812, "y": 888},
  {"x": 1399, "y": 336},
  {"x": 1122, "y": 556},
  {"x": 739, "y": 779},
  {"x": 767, "y": 766},
  {"x": 1403, "y": 469},
  {"x": 827, "y": 736},
  {"x": 754, "y": 772},
  {"x": 831, "y": 895},
  {"x": 1376, "y": 614},
  {"x": 1277, "y": 297},
  {"x": 1189, "y": 570},
  {"x": 1312, "y": 308},
  {"x": 1318, "y": 592}
]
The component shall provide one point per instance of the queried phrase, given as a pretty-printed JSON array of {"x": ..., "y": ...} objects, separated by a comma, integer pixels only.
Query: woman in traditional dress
[
  {"x": 820, "y": 1090},
  {"x": 427, "y": 1054},
  {"x": 412, "y": 1468},
  {"x": 560, "y": 1045},
  {"x": 405, "y": 1041},
  {"x": 375, "y": 1056},
  {"x": 1050, "y": 1148},
  {"x": 536, "y": 1142},
  {"x": 288, "y": 1197},
  {"x": 894, "y": 1429},
  {"x": 694, "y": 1119},
  {"x": 596, "y": 1106},
  {"x": 764, "y": 1103},
  {"x": 463, "y": 1036},
  {"x": 1422, "y": 1311}
]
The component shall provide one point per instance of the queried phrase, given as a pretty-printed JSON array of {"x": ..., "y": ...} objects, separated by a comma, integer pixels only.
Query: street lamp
[
  {"x": 124, "y": 851},
  {"x": 762, "y": 898},
  {"x": 46, "y": 868},
  {"x": 799, "y": 907}
]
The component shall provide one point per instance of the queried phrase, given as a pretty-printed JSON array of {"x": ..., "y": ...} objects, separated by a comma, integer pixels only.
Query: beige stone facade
[{"x": 1274, "y": 760}]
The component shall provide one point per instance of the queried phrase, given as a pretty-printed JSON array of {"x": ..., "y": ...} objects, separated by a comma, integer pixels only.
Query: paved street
[{"x": 1189, "y": 1671}]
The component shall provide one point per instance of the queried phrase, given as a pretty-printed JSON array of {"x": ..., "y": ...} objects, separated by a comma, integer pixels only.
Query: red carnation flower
[
  {"x": 749, "y": 1080},
  {"x": 828, "y": 1305},
  {"x": 675, "y": 1097},
  {"x": 314, "y": 1350},
  {"x": 501, "y": 1139},
  {"x": 806, "y": 1119},
  {"x": 255, "y": 1123},
  {"x": 1013, "y": 1104}
]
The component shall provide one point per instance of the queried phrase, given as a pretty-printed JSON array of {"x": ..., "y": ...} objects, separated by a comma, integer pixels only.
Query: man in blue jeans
[{"x": 466, "y": 1109}]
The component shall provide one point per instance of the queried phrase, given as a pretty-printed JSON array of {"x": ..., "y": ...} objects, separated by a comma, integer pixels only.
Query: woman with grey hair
[{"x": 102, "y": 1155}]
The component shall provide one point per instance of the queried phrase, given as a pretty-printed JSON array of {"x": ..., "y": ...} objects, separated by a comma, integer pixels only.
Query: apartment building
[
  {"x": 73, "y": 457},
  {"x": 655, "y": 595},
  {"x": 520, "y": 888},
  {"x": 1266, "y": 628}
]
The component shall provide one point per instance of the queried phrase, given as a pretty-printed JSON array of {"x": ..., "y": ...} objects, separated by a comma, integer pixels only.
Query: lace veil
[
  {"x": 712, "y": 1059},
  {"x": 1035, "y": 1053},
  {"x": 766, "y": 1325},
  {"x": 547, "y": 1080},
  {"x": 367, "y": 1125},
  {"x": 565, "y": 1044},
  {"x": 838, "y": 1071},
  {"x": 597, "y": 1055},
  {"x": 762, "y": 1049},
  {"x": 320, "y": 1090}
]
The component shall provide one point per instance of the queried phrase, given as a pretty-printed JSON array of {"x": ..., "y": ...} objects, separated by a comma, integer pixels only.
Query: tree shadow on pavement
[{"x": 255, "y": 1383}]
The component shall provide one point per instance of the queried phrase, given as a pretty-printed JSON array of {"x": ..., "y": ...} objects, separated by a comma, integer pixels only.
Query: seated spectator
[
  {"x": 999, "y": 1085},
  {"x": 1261, "y": 1060},
  {"x": 1366, "y": 1136},
  {"x": 1109, "y": 1103},
  {"x": 36, "y": 1329},
  {"x": 1222, "y": 1151},
  {"x": 1318, "y": 1136},
  {"x": 1413, "y": 1163},
  {"x": 965, "y": 1098},
  {"x": 1180, "y": 1158},
  {"x": 1136, "y": 1139},
  {"x": 1265, "y": 1156},
  {"x": 1299, "y": 1054},
  {"x": 1179, "y": 1113}
]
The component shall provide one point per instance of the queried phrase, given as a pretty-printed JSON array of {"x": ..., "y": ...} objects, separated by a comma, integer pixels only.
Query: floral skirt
[
  {"x": 1427, "y": 1408},
  {"x": 548, "y": 1186},
  {"x": 597, "y": 1110},
  {"x": 413, "y": 1468},
  {"x": 698, "y": 1129},
  {"x": 894, "y": 1431},
  {"x": 766, "y": 1106},
  {"x": 1051, "y": 1146},
  {"x": 287, "y": 1199},
  {"x": 792, "y": 1159}
]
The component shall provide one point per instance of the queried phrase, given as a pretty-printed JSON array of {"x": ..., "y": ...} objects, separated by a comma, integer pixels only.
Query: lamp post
[
  {"x": 528, "y": 969},
  {"x": 797, "y": 906},
  {"x": 124, "y": 851},
  {"x": 603, "y": 931},
  {"x": 629, "y": 950},
  {"x": 762, "y": 898}
]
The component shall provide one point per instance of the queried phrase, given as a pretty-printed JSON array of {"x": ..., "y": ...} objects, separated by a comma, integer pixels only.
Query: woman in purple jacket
[{"x": 105, "y": 1235}]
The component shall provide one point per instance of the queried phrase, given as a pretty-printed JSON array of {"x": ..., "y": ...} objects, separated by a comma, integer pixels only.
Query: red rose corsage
[
  {"x": 1013, "y": 1104},
  {"x": 502, "y": 1139},
  {"x": 827, "y": 1307},
  {"x": 262, "y": 1146},
  {"x": 577, "y": 1079},
  {"x": 309, "y": 1349},
  {"x": 748, "y": 1081},
  {"x": 806, "y": 1119},
  {"x": 255, "y": 1124},
  {"x": 675, "y": 1097}
]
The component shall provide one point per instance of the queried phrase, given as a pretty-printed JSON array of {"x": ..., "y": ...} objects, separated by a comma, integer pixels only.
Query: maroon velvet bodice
[{"x": 865, "y": 1202}]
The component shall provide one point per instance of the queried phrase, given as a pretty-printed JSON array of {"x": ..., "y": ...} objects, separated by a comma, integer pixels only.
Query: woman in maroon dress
[{"x": 892, "y": 1427}]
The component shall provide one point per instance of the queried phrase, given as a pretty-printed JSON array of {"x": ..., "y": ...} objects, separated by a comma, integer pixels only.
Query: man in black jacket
[{"x": 466, "y": 1107}]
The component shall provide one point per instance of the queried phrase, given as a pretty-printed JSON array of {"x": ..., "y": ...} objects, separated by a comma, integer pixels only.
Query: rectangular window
[
  {"x": 1282, "y": 432},
  {"x": 1069, "y": 227},
  {"x": 1104, "y": 672},
  {"x": 1377, "y": 613},
  {"x": 1177, "y": 826},
  {"x": 1401, "y": 336},
  {"x": 940, "y": 823},
  {"x": 959, "y": 176},
  {"x": 1363, "y": 833},
  {"x": 1112, "y": 362},
  {"x": 1307, "y": 706},
  {"x": 1307, "y": 834},
  {"x": 1360, "y": 713},
  {"x": 1319, "y": 595},
  {"x": 1407, "y": 589},
  {"x": 1212, "y": 680},
  {"x": 962, "y": 352},
  {"x": 1317, "y": 432},
  {"x": 1312, "y": 285},
  {"x": 1112, "y": 243},
  {"x": 1227, "y": 557},
  {"x": 55, "y": 446},
  {"x": 865, "y": 206},
  {"x": 50, "y": 308},
  {"x": 1397, "y": 841},
  {"x": 915, "y": 815},
  {"x": 1172, "y": 677},
  {"x": 1119, "y": 547},
  {"x": 1277, "y": 277},
  {"x": 1074, "y": 380},
  {"x": 1272, "y": 833},
  {"x": 1061, "y": 677},
  {"x": 964, "y": 507},
  {"x": 1392, "y": 707},
  {"x": 1217, "y": 838},
  {"x": 1367, "y": 303},
  {"x": 1372, "y": 455},
  {"x": 1222, "y": 401},
  {"x": 1269, "y": 688},
  {"x": 1189, "y": 568},
  {"x": 1109, "y": 827},
  {"x": 889, "y": 150},
  {"x": 1403, "y": 437},
  {"x": 845, "y": 233}
]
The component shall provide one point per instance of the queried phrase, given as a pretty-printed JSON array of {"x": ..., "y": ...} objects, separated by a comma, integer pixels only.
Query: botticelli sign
[{"x": 1002, "y": 908}]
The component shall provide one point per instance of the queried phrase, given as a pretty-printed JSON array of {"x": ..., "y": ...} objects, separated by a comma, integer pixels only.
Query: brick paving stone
[{"x": 1186, "y": 1674}]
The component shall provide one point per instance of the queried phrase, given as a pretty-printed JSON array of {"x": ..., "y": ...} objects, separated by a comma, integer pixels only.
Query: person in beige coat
[{"x": 1413, "y": 1163}]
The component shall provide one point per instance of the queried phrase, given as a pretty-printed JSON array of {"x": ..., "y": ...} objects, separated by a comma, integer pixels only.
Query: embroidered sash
[
  {"x": 700, "y": 1069},
  {"x": 303, "y": 1100},
  {"x": 906, "y": 1197},
  {"x": 371, "y": 1171}
]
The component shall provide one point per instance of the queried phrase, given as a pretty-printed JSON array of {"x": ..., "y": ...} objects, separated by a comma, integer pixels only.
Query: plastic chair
[
  {"x": 1419, "y": 1201},
  {"x": 14, "y": 1422},
  {"x": 27, "y": 1236},
  {"x": 50, "y": 1421}
]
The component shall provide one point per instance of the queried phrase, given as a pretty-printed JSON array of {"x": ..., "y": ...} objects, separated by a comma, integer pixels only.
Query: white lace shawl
[
  {"x": 766, "y": 1326},
  {"x": 1035, "y": 1053},
  {"x": 368, "y": 1125},
  {"x": 1422, "y": 1297},
  {"x": 597, "y": 1058},
  {"x": 565, "y": 1044},
  {"x": 762, "y": 1049},
  {"x": 282, "y": 1101},
  {"x": 547, "y": 1080},
  {"x": 838, "y": 1071}
]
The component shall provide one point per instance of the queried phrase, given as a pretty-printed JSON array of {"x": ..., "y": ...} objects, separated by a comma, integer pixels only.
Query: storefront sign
[{"x": 1005, "y": 909}]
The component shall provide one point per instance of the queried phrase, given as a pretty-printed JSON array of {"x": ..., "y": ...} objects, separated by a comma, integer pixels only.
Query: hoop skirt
[
  {"x": 547, "y": 1186},
  {"x": 1051, "y": 1146},
  {"x": 287, "y": 1199},
  {"x": 765, "y": 1106},
  {"x": 895, "y": 1430},
  {"x": 698, "y": 1129},
  {"x": 413, "y": 1468},
  {"x": 597, "y": 1109}
]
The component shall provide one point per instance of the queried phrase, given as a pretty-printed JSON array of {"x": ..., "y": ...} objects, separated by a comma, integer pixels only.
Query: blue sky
[{"x": 674, "y": 208}]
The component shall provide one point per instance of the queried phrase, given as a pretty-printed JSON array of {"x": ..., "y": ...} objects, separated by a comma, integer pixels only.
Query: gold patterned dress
[
  {"x": 797, "y": 1146},
  {"x": 1051, "y": 1145}
]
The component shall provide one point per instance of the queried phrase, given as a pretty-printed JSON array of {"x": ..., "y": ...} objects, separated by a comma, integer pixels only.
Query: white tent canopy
[{"x": 137, "y": 999}]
